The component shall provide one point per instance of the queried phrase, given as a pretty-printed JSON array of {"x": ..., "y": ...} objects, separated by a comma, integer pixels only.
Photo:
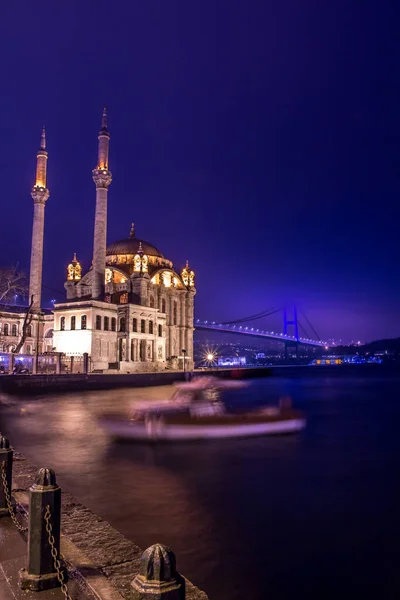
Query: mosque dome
[{"x": 131, "y": 245}]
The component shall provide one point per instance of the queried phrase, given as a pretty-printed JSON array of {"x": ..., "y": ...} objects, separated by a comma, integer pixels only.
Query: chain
[
  {"x": 56, "y": 556},
  {"x": 8, "y": 499}
]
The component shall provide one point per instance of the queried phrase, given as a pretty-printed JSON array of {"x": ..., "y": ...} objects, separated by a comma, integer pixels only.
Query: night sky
[{"x": 258, "y": 139}]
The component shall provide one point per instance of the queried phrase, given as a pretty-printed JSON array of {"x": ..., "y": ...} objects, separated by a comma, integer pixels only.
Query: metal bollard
[
  {"x": 158, "y": 578},
  {"x": 6, "y": 457},
  {"x": 44, "y": 535}
]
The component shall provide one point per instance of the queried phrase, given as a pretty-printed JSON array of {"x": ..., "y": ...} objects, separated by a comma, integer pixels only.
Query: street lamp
[{"x": 184, "y": 362}]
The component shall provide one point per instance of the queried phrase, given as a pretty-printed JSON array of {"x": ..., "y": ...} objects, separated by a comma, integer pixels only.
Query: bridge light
[
  {"x": 205, "y": 321},
  {"x": 213, "y": 322}
]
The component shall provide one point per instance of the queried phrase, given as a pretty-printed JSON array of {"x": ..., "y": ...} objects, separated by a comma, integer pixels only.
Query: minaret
[
  {"x": 102, "y": 178},
  {"x": 40, "y": 195}
]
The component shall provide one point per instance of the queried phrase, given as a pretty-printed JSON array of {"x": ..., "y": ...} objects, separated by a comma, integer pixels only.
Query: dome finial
[{"x": 132, "y": 233}]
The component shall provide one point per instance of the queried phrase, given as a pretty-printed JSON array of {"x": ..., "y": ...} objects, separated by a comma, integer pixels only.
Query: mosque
[{"x": 130, "y": 312}]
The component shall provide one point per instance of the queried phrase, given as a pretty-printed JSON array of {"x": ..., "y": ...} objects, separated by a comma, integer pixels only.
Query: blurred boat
[{"x": 195, "y": 412}]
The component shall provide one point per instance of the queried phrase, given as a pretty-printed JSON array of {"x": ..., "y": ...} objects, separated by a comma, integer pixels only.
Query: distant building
[{"x": 231, "y": 361}]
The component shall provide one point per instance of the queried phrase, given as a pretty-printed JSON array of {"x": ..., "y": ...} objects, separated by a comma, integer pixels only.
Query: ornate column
[
  {"x": 40, "y": 194},
  {"x": 102, "y": 178}
]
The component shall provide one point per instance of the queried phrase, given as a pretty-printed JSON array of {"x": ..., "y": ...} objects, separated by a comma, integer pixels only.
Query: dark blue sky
[{"x": 259, "y": 139}]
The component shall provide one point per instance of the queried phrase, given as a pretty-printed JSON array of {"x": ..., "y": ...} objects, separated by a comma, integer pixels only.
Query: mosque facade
[{"x": 131, "y": 311}]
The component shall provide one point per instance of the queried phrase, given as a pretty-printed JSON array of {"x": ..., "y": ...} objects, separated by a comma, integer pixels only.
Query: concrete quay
[
  {"x": 41, "y": 384},
  {"x": 101, "y": 562}
]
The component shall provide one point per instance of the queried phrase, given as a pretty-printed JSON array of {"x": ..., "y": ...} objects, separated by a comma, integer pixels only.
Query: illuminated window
[
  {"x": 14, "y": 330},
  {"x": 5, "y": 330},
  {"x": 143, "y": 326},
  {"x": 122, "y": 324},
  {"x": 106, "y": 323},
  {"x": 124, "y": 298},
  {"x": 113, "y": 324},
  {"x": 163, "y": 305},
  {"x": 28, "y": 349},
  {"x": 98, "y": 322},
  {"x": 29, "y": 331},
  {"x": 83, "y": 321},
  {"x": 175, "y": 313},
  {"x": 160, "y": 331},
  {"x": 151, "y": 301},
  {"x": 151, "y": 327},
  {"x": 62, "y": 324},
  {"x": 134, "y": 325},
  {"x": 73, "y": 322}
]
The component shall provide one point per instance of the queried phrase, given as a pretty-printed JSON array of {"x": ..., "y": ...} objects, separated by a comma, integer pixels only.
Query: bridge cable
[
  {"x": 312, "y": 328},
  {"x": 265, "y": 313}
]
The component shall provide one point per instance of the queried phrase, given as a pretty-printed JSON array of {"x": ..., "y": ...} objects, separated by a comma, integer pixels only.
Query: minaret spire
[
  {"x": 104, "y": 140},
  {"x": 104, "y": 118},
  {"x": 43, "y": 140},
  {"x": 102, "y": 178},
  {"x": 40, "y": 195}
]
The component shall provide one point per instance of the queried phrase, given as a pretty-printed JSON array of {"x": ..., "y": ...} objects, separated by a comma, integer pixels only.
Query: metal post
[
  {"x": 6, "y": 456},
  {"x": 58, "y": 363},
  {"x": 184, "y": 362},
  {"x": 44, "y": 534},
  {"x": 86, "y": 363},
  {"x": 158, "y": 577}
]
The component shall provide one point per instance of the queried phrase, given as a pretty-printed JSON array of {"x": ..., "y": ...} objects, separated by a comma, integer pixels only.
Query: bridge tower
[{"x": 291, "y": 343}]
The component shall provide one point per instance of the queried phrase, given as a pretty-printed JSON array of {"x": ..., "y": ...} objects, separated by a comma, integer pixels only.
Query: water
[{"x": 313, "y": 515}]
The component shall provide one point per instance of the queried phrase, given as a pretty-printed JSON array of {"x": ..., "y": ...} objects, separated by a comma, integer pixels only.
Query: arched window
[
  {"x": 143, "y": 326},
  {"x": 113, "y": 324},
  {"x": 163, "y": 305},
  {"x": 83, "y": 321},
  {"x": 62, "y": 324},
  {"x": 175, "y": 313},
  {"x": 73, "y": 322},
  {"x": 28, "y": 331},
  {"x": 122, "y": 324},
  {"x": 29, "y": 349},
  {"x": 106, "y": 323},
  {"x": 14, "y": 330},
  {"x": 151, "y": 301},
  {"x": 134, "y": 325},
  {"x": 5, "y": 330},
  {"x": 98, "y": 322},
  {"x": 151, "y": 327},
  {"x": 160, "y": 331}
]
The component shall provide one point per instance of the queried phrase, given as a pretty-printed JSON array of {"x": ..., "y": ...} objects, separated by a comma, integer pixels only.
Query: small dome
[{"x": 131, "y": 246}]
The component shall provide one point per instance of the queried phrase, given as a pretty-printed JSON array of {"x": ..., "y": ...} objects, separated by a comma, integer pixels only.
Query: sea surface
[{"x": 313, "y": 515}]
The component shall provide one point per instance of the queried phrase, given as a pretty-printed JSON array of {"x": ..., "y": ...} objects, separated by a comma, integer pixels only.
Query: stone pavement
[{"x": 13, "y": 553}]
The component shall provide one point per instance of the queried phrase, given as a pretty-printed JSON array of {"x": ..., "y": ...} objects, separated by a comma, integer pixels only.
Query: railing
[{"x": 46, "y": 567}]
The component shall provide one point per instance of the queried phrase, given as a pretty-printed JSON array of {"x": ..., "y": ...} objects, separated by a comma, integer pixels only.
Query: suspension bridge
[{"x": 241, "y": 327}]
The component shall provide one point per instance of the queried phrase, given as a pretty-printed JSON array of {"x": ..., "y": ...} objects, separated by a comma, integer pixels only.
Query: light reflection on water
[{"x": 240, "y": 514}]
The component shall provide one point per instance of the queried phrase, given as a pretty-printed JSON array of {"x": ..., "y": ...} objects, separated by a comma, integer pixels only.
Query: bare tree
[
  {"x": 25, "y": 325},
  {"x": 12, "y": 283}
]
